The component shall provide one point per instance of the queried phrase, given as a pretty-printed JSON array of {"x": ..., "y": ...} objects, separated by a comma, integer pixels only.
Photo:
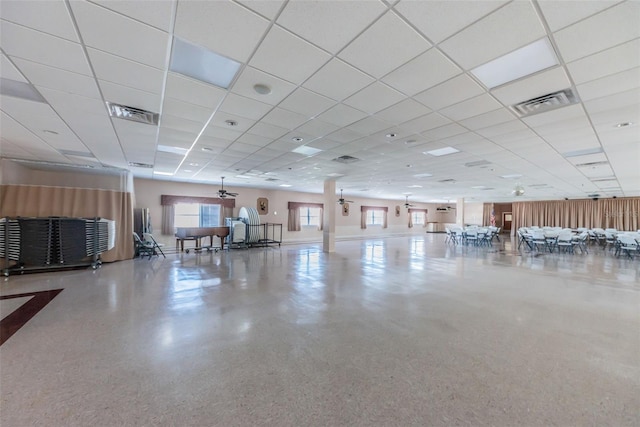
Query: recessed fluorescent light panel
[
  {"x": 511, "y": 176},
  {"x": 202, "y": 64},
  {"x": 527, "y": 60},
  {"x": 442, "y": 151},
  {"x": 163, "y": 173},
  {"x": 285, "y": 185},
  {"x": 584, "y": 152},
  {"x": 175, "y": 150},
  {"x": 422, "y": 175},
  {"x": 305, "y": 150},
  {"x": 18, "y": 89}
]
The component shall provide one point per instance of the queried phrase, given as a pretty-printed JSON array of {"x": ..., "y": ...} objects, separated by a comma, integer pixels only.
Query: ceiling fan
[
  {"x": 518, "y": 190},
  {"x": 342, "y": 201},
  {"x": 223, "y": 194},
  {"x": 407, "y": 204}
]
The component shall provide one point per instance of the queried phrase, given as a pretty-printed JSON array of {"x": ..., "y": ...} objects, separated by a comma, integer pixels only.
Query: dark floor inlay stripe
[{"x": 16, "y": 320}]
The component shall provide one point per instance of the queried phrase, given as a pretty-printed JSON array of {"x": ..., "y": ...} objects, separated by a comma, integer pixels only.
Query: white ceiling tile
[
  {"x": 113, "y": 33},
  {"x": 224, "y": 133},
  {"x": 344, "y": 135},
  {"x": 244, "y": 107},
  {"x": 423, "y": 72},
  {"x": 442, "y": 132},
  {"x": 50, "y": 17},
  {"x": 485, "y": 40},
  {"x": 615, "y": 101},
  {"x": 368, "y": 125},
  {"x": 317, "y": 128},
  {"x": 55, "y": 78},
  {"x": 488, "y": 119},
  {"x": 502, "y": 129},
  {"x": 268, "y": 130},
  {"x": 186, "y": 110},
  {"x": 403, "y": 111},
  {"x": 425, "y": 123},
  {"x": 180, "y": 123},
  {"x": 122, "y": 71},
  {"x": 306, "y": 102},
  {"x": 338, "y": 80},
  {"x": 153, "y": 12},
  {"x": 374, "y": 98},
  {"x": 39, "y": 47},
  {"x": 258, "y": 141},
  {"x": 242, "y": 28},
  {"x": 284, "y": 118},
  {"x": 269, "y": 9},
  {"x": 274, "y": 56},
  {"x": 342, "y": 115},
  {"x": 441, "y": 19},
  {"x": 471, "y": 107},
  {"x": 330, "y": 25},
  {"x": 559, "y": 14},
  {"x": 610, "y": 61},
  {"x": 249, "y": 77},
  {"x": 130, "y": 97},
  {"x": 192, "y": 91},
  {"x": 531, "y": 87},
  {"x": 60, "y": 100},
  {"x": 620, "y": 82},
  {"x": 403, "y": 46},
  {"x": 610, "y": 119},
  {"x": 450, "y": 92},
  {"x": 9, "y": 71},
  {"x": 611, "y": 27}
]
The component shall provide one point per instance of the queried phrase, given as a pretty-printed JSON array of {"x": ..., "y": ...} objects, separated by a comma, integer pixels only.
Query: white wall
[{"x": 148, "y": 194}]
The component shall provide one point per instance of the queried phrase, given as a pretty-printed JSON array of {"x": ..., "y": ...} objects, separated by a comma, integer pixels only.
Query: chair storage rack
[
  {"x": 260, "y": 235},
  {"x": 35, "y": 244}
]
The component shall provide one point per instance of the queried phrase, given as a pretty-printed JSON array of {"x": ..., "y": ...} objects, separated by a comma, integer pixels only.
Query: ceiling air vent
[
  {"x": 598, "y": 163},
  {"x": 477, "y": 163},
  {"x": 450, "y": 180},
  {"x": 545, "y": 103},
  {"x": 140, "y": 165},
  {"x": 272, "y": 179},
  {"x": 133, "y": 114},
  {"x": 346, "y": 159}
]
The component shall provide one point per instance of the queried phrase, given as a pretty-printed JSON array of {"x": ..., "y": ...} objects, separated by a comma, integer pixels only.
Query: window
[
  {"x": 196, "y": 215},
  {"x": 309, "y": 216},
  {"x": 417, "y": 218},
  {"x": 375, "y": 217}
]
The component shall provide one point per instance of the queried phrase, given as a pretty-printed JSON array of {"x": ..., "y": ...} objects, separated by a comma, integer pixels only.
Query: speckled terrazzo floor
[{"x": 398, "y": 331}]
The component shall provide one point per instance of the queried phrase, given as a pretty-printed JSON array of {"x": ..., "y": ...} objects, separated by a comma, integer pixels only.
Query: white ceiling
[{"x": 343, "y": 75}]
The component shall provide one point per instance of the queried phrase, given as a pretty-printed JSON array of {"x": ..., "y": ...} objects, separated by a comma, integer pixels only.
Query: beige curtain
[
  {"x": 363, "y": 219},
  {"x": 487, "y": 208},
  {"x": 424, "y": 221},
  {"x": 168, "y": 214},
  {"x": 620, "y": 213},
  {"x": 321, "y": 220},
  {"x": 41, "y": 201},
  {"x": 384, "y": 219},
  {"x": 294, "y": 219},
  {"x": 410, "y": 214}
]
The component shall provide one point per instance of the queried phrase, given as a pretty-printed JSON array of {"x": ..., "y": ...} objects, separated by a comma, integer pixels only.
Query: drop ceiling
[{"x": 385, "y": 82}]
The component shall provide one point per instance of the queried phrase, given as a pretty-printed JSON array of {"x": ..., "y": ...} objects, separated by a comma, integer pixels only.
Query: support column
[
  {"x": 329, "y": 217},
  {"x": 460, "y": 212}
]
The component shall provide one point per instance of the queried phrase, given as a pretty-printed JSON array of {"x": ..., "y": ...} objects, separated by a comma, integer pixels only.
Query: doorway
[{"x": 507, "y": 218}]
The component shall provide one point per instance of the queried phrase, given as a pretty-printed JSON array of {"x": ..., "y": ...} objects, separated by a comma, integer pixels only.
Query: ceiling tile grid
[{"x": 384, "y": 82}]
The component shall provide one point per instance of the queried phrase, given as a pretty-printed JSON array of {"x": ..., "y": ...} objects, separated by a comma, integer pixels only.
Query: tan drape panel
[
  {"x": 321, "y": 220},
  {"x": 384, "y": 219},
  {"x": 294, "y": 219},
  {"x": 487, "y": 208},
  {"x": 40, "y": 201},
  {"x": 409, "y": 214},
  {"x": 168, "y": 215},
  {"x": 363, "y": 219},
  {"x": 621, "y": 213}
]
